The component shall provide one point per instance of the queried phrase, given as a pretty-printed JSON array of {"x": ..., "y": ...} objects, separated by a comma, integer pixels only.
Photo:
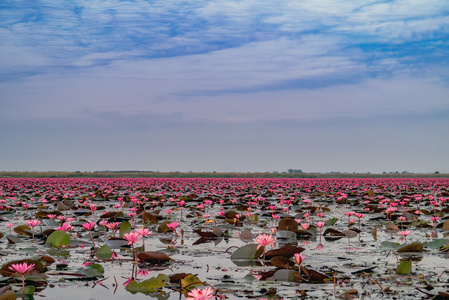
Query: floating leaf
[
  {"x": 446, "y": 225},
  {"x": 58, "y": 238},
  {"x": 23, "y": 230},
  {"x": 175, "y": 278},
  {"x": 282, "y": 262},
  {"x": 29, "y": 291},
  {"x": 444, "y": 248},
  {"x": 287, "y": 275},
  {"x": 315, "y": 276},
  {"x": 247, "y": 252},
  {"x": 104, "y": 252},
  {"x": 391, "y": 227},
  {"x": 8, "y": 295},
  {"x": 112, "y": 215},
  {"x": 116, "y": 243},
  {"x": 155, "y": 256},
  {"x": 286, "y": 251},
  {"x": 254, "y": 217},
  {"x": 331, "y": 222},
  {"x": 350, "y": 233},
  {"x": 92, "y": 271},
  {"x": 125, "y": 227},
  {"x": 149, "y": 217},
  {"x": 148, "y": 286},
  {"x": 390, "y": 245},
  {"x": 413, "y": 247},
  {"x": 190, "y": 282},
  {"x": 206, "y": 234},
  {"x": 13, "y": 239},
  {"x": 332, "y": 232},
  {"x": 436, "y": 244},
  {"x": 404, "y": 267},
  {"x": 288, "y": 224},
  {"x": 163, "y": 228},
  {"x": 247, "y": 236}
]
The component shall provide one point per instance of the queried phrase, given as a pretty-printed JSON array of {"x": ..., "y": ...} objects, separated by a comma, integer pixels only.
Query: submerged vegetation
[{"x": 193, "y": 238}]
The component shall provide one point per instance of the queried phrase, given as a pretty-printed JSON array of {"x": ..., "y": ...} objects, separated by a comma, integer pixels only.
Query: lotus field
[{"x": 224, "y": 238}]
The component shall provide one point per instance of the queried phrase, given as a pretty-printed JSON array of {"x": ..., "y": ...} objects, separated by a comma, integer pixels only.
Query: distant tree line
[{"x": 295, "y": 171}]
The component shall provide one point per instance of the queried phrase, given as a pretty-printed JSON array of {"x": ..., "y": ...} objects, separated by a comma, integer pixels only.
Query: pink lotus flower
[
  {"x": 33, "y": 223},
  {"x": 131, "y": 237},
  {"x": 172, "y": 226},
  {"x": 299, "y": 258},
  {"x": 305, "y": 226},
  {"x": 320, "y": 224},
  {"x": 9, "y": 225},
  {"x": 65, "y": 227},
  {"x": 143, "y": 232},
  {"x": 404, "y": 233},
  {"x": 22, "y": 269},
  {"x": 198, "y": 294},
  {"x": 89, "y": 225},
  {"x": 264, "y": 240}
]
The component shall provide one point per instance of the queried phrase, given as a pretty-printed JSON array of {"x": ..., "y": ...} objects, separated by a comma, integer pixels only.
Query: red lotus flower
[
  {"x": 22, "y": 269},
  {"x": 198, "y": 294}
]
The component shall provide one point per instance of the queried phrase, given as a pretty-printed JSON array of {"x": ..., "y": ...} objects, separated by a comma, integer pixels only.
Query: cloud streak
[{"x": 165, "y": 70}]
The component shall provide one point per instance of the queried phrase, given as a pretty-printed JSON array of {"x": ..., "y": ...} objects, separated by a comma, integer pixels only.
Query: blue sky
[{"x": 330, "y": 85}]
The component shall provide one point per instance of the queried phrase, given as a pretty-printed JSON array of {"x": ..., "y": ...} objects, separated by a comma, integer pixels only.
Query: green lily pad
[
  {"x": 58, "y": 238},
  {"x": 436, "y": 244},
  {"x": 247, "y": 252},
  {"x": 92, "y": 271},
  {"x": 104, "y": 252},
  {"x": 125, "y": 227},
  {"x": 390, "y": 245},
  {"x": 331, "y": 222},
  {"x": 190, "y": 282},
  {"x": 404, "y": 267},
  {"x": 148, "y": 286}
]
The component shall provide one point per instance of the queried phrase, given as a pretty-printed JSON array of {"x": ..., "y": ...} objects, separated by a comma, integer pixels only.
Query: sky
[{"x": 224, "y": 85}]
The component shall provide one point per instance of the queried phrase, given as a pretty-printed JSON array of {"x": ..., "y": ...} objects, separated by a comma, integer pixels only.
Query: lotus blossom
[
  {"x": 404, "y": 233},
  {"x": 51, "y": 217},
  {"x": 89, "y": 226},
  {"x": 198, "y": 294},
  {"x": 33, "y": 223},
  {"x": 9, "y": 225},
  {"x": 113, "y": 226},
  {"x": 299, "y": 258},
  {"x": 132, "y": 237},
  {"x": 264, "y": 240},
  {"x": 172, "y": 226},
  {"x": 65, "y": 227},
  {"x": 143, "y": 232},
  {"x": 22, "y": 269}
]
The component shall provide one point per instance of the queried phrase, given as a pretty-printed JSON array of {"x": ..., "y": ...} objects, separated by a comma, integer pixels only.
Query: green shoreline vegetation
[{"x": 156, "y": 174}]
